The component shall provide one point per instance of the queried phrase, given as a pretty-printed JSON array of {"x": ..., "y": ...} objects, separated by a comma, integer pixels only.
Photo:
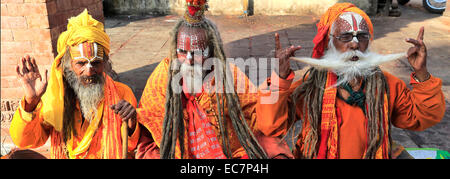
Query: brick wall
[{"x": 32, "y": 27}]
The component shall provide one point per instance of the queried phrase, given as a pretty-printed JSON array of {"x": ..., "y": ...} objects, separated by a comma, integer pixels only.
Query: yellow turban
[{"x": 82, "y": 28}]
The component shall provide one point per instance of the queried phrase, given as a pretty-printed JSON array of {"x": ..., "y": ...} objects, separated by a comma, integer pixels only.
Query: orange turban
[{"x": 324, "y": 25}]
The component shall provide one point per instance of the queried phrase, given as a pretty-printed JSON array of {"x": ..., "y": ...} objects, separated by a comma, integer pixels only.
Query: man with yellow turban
[
  {"x": 345, "y": 102},
  {"x": 80, "y": 108}
]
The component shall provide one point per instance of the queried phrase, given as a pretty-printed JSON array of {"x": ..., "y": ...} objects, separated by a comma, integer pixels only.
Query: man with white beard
[
  {"x": 191, "y": 110},
  {"x": 345, "y": 102},
  {"x": 80, "y": 108}
]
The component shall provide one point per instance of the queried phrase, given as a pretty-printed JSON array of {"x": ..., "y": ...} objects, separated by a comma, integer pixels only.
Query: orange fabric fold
[
  {"x": 110, "y": 137},
  {"x": 203, "y": 143}
]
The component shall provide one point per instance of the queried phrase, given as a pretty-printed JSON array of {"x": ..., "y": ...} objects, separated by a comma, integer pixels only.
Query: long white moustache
[{"x": 365, "y": 61}]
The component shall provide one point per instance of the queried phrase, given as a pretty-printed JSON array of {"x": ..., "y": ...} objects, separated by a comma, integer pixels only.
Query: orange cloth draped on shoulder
[
  {"x": 416, "y": 109},
  {"x": 152, "y": 103},
  {"x": 99, "y": 139}
]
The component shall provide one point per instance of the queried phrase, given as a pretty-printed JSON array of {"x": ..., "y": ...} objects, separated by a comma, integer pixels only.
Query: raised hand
[
  {"x": 127, "y": 112},
  {"x": 283, "y": 56},
  {"x": 417, "y": 56},
  {"x": 33, "y": 84}
]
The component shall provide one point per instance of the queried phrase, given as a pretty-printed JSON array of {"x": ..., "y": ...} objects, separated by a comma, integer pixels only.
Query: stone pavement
[{"x": 140, "y": 43}]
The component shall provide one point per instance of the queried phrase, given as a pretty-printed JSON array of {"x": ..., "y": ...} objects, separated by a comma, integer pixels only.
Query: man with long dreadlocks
[
  {"x": 345, "y": 102},
  {"x": 80, "y": 107},
  {"x": 194, "y": 112}
]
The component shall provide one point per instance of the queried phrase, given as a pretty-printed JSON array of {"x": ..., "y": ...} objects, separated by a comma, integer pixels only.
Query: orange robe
[
  {"x": 151, "y": 112},
  {"x": 415, "y": 109},
  {"x": 28, "y": 130}
]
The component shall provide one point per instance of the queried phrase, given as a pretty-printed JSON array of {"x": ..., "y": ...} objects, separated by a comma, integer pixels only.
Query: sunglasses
[{"x": 347, "y": 37}]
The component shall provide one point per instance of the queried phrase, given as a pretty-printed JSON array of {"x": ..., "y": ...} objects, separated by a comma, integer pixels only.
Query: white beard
[
  {"x": 192, "y": 77},
  {"x": 346, "y": 69}
]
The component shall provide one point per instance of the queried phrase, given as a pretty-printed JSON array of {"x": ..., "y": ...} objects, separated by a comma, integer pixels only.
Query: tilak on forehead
[
  {"x": 351, "y": 22},
  {"x": 332, "y": 15},
  {"x": 191, "y": 39},
  {"x": 89, "y": 51}
]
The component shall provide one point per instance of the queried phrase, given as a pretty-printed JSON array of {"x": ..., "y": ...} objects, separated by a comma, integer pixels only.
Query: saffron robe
[
  {"x": 29, "y": 130},
  {"x": 415, "y": 109},
  {"x": 151, "y": 113}
]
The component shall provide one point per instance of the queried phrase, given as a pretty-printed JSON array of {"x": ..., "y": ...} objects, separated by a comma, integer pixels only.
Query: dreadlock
[
  {"x": 311, "y": 92},
  {"x": 173, "y": 124}
]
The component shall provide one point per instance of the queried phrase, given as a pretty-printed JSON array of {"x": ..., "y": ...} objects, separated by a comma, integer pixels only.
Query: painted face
[
  {"x": 350, "y": 32},
  {"x": 192, "y": 45},
  {"x": 87, "y": 60}
]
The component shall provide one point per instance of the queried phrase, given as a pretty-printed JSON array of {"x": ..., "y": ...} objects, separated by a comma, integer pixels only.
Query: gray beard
[{"x": 89, "y": 96}]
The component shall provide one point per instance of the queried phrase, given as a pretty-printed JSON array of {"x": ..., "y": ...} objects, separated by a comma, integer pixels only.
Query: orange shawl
[
  {"x": 331, "y": 119},
  {"x": 109, "y": 136}
]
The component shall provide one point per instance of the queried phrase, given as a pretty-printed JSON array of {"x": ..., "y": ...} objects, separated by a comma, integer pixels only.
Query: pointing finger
[
  {"x": 421, "y": 32},
  {"x": 277, "y": 42}
]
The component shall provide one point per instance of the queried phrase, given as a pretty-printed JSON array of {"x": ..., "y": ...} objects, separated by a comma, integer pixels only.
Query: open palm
[{"x": 32, "y": 82}]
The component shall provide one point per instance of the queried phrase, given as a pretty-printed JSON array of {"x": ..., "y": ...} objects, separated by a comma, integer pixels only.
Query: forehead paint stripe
[
  {"x": 355, "y": 24},
  {"x": 187, "y": 43},
  {"x": 80, "y": 48},
  {"x": 84, "y": 49},
  {"x": 90, "y": 49},
  {"x": 95, "y": 49}
]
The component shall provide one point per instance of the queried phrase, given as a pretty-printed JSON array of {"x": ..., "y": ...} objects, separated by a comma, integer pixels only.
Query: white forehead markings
[
  {"x": 194, "y": 43},
  {"x": 347, "y": 16},
  {"x": 95, "y": 49},
  {"x": 80, "y": 47}
]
